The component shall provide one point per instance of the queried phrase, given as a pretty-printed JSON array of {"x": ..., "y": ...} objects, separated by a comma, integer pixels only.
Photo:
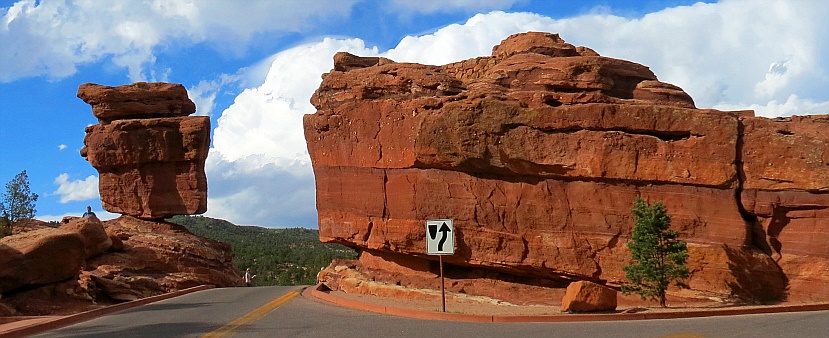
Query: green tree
[
  {"x": 659, "y": 257},
  {"x": 18, "y": 201}
]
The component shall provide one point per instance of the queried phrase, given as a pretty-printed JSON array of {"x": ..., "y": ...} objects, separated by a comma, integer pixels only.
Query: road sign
[{"x": 440, "y": 237}]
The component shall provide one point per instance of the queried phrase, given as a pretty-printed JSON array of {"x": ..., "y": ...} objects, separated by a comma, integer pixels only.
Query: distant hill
[{"x": 277, "y": 256}]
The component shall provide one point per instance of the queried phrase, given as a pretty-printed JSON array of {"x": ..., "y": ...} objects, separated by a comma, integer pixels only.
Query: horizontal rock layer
[{"x": 538, "y": 152}]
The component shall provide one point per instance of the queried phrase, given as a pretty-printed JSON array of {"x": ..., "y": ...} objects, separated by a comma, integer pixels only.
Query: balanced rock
[
  {"x": 583, "y": 296},
  {"x": 538, "y": 153},
  {"x": 151, "y": 165}
]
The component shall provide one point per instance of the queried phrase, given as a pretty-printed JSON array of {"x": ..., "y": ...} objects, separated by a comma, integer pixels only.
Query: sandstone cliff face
[
  {"x": 538, "y": 152},
  {"x": 150, "y": 155}
]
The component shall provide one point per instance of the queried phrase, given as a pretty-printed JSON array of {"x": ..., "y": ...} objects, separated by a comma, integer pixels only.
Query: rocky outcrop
[
  {"x": 72, "y": 268},
  {"x": 159, "y": 257},
  {"x": 150, "y": 155},
  {"x": 538, "y": 152}
]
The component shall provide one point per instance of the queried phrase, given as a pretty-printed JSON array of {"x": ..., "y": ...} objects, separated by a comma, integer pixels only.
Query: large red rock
[
  {"x": 96, "y": 240},
  {"x": 41, "y": 257},
  {"x": 61, "y": 271},
  {"x": 136, "y": 101},
  {"x": 150, "y": 167},
  {"x": 538, "y": 152},
  {"x": 583, "y": 296}
]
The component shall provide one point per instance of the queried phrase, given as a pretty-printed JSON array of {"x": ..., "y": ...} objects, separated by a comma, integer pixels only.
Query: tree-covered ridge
[{"x": 277, "y": 256}]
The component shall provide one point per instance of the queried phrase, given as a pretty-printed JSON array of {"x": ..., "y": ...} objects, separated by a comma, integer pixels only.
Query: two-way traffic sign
[{"x": 440, "y": 237}]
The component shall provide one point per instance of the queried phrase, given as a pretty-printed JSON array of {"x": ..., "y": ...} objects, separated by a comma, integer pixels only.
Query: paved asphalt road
[{"x": 200, "y": 313}]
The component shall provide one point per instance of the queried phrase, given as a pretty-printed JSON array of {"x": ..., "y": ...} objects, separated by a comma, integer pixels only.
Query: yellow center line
[{"x": 252, "y": 316}]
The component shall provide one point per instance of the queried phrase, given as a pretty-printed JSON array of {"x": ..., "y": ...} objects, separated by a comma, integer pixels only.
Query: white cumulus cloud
[
  {"x": 53, "y": 37},
  {"x": 76, "y": 190},
  {"x": 741, "y": 52},
  {"x": 62, "y": 146},
  {"x": 259, "y": 170},
  {"x": 793, "y": 105}
]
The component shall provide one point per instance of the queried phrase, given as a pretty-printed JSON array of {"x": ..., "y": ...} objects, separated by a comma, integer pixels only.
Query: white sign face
[{"x": 440, "y": 237}]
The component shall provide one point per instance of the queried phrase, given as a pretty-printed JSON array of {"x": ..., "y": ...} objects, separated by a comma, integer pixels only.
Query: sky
[{"x": 253, "y": 65}]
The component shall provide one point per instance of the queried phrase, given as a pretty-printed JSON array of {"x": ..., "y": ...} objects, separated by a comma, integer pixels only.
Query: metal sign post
[
  {"x": 442, "y": 290},
  {"x": 440, "y": 240}
]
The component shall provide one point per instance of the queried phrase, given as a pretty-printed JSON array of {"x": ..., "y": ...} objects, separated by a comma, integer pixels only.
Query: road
[{"x": 203, "y": 312}]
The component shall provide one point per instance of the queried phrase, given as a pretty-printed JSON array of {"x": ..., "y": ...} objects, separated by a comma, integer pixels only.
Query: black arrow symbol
[{"x": 445, "y": 230}]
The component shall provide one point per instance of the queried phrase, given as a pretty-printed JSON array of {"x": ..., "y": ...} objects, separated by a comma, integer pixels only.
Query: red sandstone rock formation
[
  {"x": 95, "y": 238},
  {"x": 159, "y": 257},
  {"x": 538, "y": 152},
  {"x": 73, "y": 268},
  {"x": 139, "y": 100},
  {"x": 41, "y": 257},
  {"x": 150, "y": 155}
]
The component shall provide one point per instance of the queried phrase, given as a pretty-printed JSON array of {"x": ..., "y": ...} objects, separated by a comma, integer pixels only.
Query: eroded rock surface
[
  {"x": 150, "y": 155},
  {"x": 159, "y": 257},
  {"x": 41, "y": 257},
  {"x": 74, "y": 267},
  {"x": 538, "y": 152}
]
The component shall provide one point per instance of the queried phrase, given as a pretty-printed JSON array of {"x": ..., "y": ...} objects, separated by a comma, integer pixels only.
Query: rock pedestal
[{"x": 538, "y": 153}]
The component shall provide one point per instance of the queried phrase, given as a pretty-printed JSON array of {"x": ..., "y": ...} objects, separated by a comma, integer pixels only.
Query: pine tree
[
  {"x": 18, "y": 201},
  {"x": 659, "y": 257}
]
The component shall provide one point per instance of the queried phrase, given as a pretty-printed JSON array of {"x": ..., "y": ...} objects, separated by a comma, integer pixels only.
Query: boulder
[
  {"x": 547, "y": 44},
  {"x": 538, "y": 152},
  {"x": 151, "y": 165},
  {"x": 136, "y": 101},
  {"x": 45, "y": 256},
  {"x": 344, "y": 61},
  {"x": 583, "y": 296},
  {"x": 95, "y": 238}
]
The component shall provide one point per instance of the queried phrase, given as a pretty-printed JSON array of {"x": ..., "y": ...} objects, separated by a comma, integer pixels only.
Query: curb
[
  {"x": 63, "y": 321},
  {"x": 315, "y": 292}
]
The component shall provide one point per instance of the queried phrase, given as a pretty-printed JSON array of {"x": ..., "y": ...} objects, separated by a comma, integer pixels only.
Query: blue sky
[{"x": 252, "y": 66}]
